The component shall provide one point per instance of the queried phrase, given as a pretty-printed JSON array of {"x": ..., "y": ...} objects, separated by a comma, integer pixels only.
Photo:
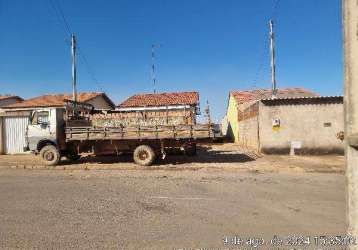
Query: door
[{"x": 15, "y": 134}]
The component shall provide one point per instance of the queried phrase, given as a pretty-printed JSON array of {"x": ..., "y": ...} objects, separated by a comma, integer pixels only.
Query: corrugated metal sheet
[
  {"x": 304, "y": 100},
  {"x": 304, "y": 97},
  {"x": 15, "y": 134}
]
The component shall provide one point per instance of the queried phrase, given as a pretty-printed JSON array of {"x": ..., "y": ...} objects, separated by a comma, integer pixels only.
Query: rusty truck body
[{"x": 57, "y": 132}]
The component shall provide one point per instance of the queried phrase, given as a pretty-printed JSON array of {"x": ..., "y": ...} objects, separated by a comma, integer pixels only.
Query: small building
[
  {"x": 15, "y": 118},
  {"x": 153, "y": 109},
  {"x": 9, "y": 99},
  {"x": 296, "y": 118},
  {"x": 99, "y": 100}
]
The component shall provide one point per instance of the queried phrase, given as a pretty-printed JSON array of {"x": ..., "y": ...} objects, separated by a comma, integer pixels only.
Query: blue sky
[{"x": 211, "y": 46}]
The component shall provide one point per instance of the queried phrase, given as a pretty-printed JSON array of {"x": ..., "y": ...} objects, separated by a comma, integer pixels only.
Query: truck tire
[
  {"x": 144, "y": 155},
  {"x": 50, "y": 155},
  {"x": 190, "y": 150}
]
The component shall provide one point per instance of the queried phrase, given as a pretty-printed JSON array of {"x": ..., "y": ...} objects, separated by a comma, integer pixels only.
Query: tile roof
[
  {"x": 3, "y": 97},
  {"x": 162, "y": 99},
  {"x": 258, "y": 94},
  {"x": 55, "y": 100}
]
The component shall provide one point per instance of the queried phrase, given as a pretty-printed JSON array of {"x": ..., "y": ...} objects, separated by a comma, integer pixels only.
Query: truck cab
[{"x": 45, "y": 128}]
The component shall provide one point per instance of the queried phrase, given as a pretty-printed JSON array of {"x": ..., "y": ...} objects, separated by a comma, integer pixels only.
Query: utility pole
[
  {"x": 207, "y": 112},
  {"x": 153, "y": 67},
  {"x": 350, "y": 24},
  {"x": 74, "y": 71},
  {"x": 273, "y": 66}
]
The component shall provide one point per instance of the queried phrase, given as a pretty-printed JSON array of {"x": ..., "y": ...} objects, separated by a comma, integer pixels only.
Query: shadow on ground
[{"x": 204, "y": 155}]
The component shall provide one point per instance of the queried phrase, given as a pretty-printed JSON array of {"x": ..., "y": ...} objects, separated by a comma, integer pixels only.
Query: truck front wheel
[
  {"x": 50, "y": 155},
  {"x": 144, "y": 155}
]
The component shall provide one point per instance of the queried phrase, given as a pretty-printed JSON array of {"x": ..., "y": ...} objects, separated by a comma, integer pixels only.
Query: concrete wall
[
  {"x": 248, "y": 133},
  {"x": 314, "y": 125},
  {"x": 350, "y": 22},
  {"x": 100, "y": 103},
  {"x": 232, "y": 121}
]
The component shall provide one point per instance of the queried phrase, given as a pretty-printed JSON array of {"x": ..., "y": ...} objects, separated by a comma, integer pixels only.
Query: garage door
[{"x": 15, "y": 134}]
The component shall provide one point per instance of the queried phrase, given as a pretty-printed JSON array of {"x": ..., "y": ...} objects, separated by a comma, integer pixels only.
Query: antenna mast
[
  {"x": 153, "y": 67},
  {"x": 74, "y": 71},
  {"x": 273, "y": 66}
]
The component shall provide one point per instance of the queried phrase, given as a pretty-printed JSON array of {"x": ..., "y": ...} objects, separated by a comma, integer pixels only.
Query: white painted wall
[{"x": 100, "y": 103}]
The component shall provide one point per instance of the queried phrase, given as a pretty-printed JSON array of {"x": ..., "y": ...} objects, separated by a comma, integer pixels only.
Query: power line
[
  {"x": 60, "y": 11},
  {"x": 67, "y": 28},
  {"x": 89, "y": 69}
]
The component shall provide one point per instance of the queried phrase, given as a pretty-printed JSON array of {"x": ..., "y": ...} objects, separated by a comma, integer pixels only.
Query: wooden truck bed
[{"x": 199, "y": 131}]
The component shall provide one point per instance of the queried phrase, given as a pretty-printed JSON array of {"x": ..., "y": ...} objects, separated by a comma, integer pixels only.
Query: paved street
[{"x": 163, "y": 208}]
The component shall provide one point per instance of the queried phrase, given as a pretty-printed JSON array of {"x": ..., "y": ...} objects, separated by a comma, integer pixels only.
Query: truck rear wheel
[
  {"x": 144, "y": 155},
  {"x": 50, "y": 155}
]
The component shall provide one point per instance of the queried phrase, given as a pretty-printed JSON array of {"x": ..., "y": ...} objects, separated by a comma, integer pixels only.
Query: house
[
  {"x": 296, "y": 118},
  {"x": 14, "y": 118},
  {"x": 153, "y": 109},
  {"x": 9, "y": 99},
  {"x": 99, "y": 101},
  {"x": 238, "y": 101}
]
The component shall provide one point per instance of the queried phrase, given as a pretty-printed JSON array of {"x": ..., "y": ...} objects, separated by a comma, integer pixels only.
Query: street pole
[
  {"x": 350, "y": 24},
  {"x": 74, "y": 71},
  {"x": 273, "y": 66}
]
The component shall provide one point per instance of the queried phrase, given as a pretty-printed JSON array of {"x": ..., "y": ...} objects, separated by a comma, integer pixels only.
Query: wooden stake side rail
[{"x": 146, "y": 132}]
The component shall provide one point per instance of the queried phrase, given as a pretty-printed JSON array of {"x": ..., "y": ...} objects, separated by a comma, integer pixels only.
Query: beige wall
[
  {"x": 248, "y": 133},
  {"x": 241, "y": 125},
  {"x": 350, "y": 22},
  {"x": 100, "y": 103},
  {"x": 303, "y": 123},
  {"x": 232, "y": 122}
]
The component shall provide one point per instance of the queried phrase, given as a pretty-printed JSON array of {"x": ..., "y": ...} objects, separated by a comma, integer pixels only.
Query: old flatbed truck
[{"x": 57, "y": 132}]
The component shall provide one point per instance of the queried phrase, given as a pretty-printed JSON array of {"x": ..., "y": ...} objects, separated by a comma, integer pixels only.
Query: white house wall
[{"x": 100, "y": 103}]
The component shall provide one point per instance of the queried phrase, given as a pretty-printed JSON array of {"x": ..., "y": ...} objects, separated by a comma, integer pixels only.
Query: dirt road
[
  {"x": 213, "y": 157},
  {"x": 175, "y": 205}
]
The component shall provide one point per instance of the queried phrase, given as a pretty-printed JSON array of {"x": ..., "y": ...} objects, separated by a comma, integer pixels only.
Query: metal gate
[{"x": 15, "y": 134}]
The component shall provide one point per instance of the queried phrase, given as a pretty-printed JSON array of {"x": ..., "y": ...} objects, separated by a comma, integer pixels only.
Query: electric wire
[{"x": 68, "y": 31}]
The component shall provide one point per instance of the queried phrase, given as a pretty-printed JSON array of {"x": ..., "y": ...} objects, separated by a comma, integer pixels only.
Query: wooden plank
[{"x": 144, "y": 132}]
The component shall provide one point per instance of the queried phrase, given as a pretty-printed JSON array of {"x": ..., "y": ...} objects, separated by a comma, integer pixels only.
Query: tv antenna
[{"x": 153, "y": 66}]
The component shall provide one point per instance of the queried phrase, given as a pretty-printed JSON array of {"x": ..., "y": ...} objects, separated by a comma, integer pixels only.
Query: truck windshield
[{"x": 40, "y": 117}]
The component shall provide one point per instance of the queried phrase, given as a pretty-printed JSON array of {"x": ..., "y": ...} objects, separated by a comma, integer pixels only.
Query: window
[{"x": 40, "y": 117}]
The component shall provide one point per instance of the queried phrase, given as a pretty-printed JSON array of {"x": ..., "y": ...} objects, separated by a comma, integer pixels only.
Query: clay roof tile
[{"x": 161, "y": 99}]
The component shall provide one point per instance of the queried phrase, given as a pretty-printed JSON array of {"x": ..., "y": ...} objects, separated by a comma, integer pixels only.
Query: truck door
[{"x": 40, "y": 128}]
